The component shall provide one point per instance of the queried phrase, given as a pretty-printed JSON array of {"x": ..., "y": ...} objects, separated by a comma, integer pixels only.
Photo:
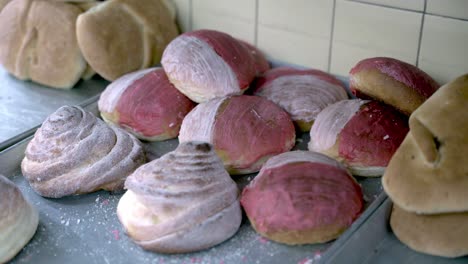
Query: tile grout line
[
  {"x": 387, "y": 6},
  {"x": 256, "y": 24},
  {"x": 408, "y": 10},
  {"x": 418, "y": 52},
  {"x": 190, "y": 15},
  {"x": 332, "y": 32}
]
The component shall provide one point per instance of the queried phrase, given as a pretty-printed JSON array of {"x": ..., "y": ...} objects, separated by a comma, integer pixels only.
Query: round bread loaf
[
  {"x": 18, "y": 220},
  {"x": 73, "y": 152},
  {"x": 393, "y": 82},
  {"x": 145, "y": 104},
  {"x": 301, "y": 93},
  {"x": 182, "y": 202},
  {"x": 361, "y": 134},
  {"x": 429, "y": 172},
  {"x": 440, "y": 234},
  {"x": 244, "y": 130},
  {"x": 122, "y": 36},
  {"x": 38, "y": 42},
  {"x": 302, "y": 197},
  {"x": 207, "y": 64},
  {"x": 261, "y": 63}
]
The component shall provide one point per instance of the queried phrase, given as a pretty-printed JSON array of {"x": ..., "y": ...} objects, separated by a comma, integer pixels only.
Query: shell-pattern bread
[{"x": 73, "y": 152}]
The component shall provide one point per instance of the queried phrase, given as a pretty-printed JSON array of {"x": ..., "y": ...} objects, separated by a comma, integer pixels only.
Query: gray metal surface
[
  {"x": 24, "y": 105},
  {"x": 85, "y": 228},
  {"x": 374, "y": 242}
]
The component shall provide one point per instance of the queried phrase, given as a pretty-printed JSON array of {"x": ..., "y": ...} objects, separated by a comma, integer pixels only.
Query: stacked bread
[
  {"x": 427, "y": 178},
  {"x": 56, "y": 43},
  {"x": 364, "y": 134}
]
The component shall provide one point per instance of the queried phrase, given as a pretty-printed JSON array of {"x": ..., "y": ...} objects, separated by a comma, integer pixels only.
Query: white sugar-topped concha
[
  {"x": 184, "y": 201},
  {"x": 73, "y": 152}
]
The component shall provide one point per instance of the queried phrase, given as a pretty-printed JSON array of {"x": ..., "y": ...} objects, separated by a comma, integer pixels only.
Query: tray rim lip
[
  {"x": 338, "y": 245},
  {"x": 26, "y": 134}
]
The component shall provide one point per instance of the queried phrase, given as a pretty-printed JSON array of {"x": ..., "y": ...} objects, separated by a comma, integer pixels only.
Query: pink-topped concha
[
  {"x": 184, "y": 201},
  {"x": 362, "y": 134},
  {"x": 206, "y": 64},
  {"x": 244, "y": 130},
  {"x": 145, "y": 104},
  {"x": 73, "y": 152},
  {"x": 302, "y": 197},
  {"x": 18, "y": 220},
  {"x": 394, "y": 82},
  {"x": 301, "y": 93}
]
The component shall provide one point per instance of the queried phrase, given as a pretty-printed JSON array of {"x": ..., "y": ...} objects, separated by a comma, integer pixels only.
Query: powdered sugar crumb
[
  {"x": 116, "y": 234},
  {"x": 262, "y": 240},
  {"x": 386, "y": 137}
]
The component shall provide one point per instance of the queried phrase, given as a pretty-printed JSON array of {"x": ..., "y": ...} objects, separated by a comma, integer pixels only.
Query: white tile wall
[
  {"x": 451, "y": 8},
  {"x": 362, "y": 31},
  {"x": 234, "y": 17},
  {"x": 444, "y": 48},
  {"x": 183, "y": 14},
  {"x": 300, "y": 35},
  {"x": 416, "y": 5},
  {"x": 335, "y": 34}
]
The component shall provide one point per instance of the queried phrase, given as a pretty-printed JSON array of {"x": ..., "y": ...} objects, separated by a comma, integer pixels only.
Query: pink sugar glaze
[
  {"x": 372, "y": 135},
  {"x": 275, "y": 73},
  {"x": 248, "y": 128},
  {"x": 401, "y": 71},
  {"x": 153, "y": 106},
  {"x": 233, "y": 52},
  {"x": 302, "y": 196},
  {"x": 261, "y": 63}
]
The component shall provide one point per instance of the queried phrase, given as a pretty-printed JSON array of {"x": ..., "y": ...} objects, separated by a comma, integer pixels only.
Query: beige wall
[{"x": 333, "y": 35}]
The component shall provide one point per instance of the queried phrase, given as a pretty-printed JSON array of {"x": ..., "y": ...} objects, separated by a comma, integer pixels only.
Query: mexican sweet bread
[
  {"x": 394, "y": 82},
  {"x": 182, "y": 202},
  {"x": 301, "y": 93},
  {"x": 18, "y": 220},
  {"x": 208, "y": 64},
  {"x": 302, "y": 197},
  {"x": 244, "y": 130},
  {"x": 427, "y": 178},
  {"x": 362, "y": 134},
  {"x": 73, "y": 152},
  {"x": 121, "y": 36},
  {"x": 38, "y": 42},
  {"x": 145, "y": 104},
  {"x": 429, "y": 172}
]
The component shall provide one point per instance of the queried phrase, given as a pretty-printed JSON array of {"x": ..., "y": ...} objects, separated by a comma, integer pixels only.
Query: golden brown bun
[
  {"x": 312, "y": 235},
  {"x": 441, "y": 235},
  {"x": 38, "y": 42},
  {"x": 375, "y": 85},
  {"x": 121, "y": 36},
  {"x": 429, "y": 172}
]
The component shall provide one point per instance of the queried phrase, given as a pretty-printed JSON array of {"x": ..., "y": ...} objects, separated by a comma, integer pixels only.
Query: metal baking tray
[
  {"x": 374, "y": 242},
  {"x": 24, "y": 105},
  {"x": 85, "y": 228}
]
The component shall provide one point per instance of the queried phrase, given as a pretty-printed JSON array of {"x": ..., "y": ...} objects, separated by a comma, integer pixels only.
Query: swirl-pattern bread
[
  {"x": 185, "y": 201},
  {"x": 18, "y": 220},
  {"x": 73, "y": 152}
]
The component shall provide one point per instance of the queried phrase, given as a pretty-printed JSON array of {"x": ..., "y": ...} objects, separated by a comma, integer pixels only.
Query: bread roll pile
[
  {"x": 186, "y": 201},
  {"x": 56, "y": 43},
  {"x": 427, "y": 178},
  {"x": 365, "y": 134}
]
